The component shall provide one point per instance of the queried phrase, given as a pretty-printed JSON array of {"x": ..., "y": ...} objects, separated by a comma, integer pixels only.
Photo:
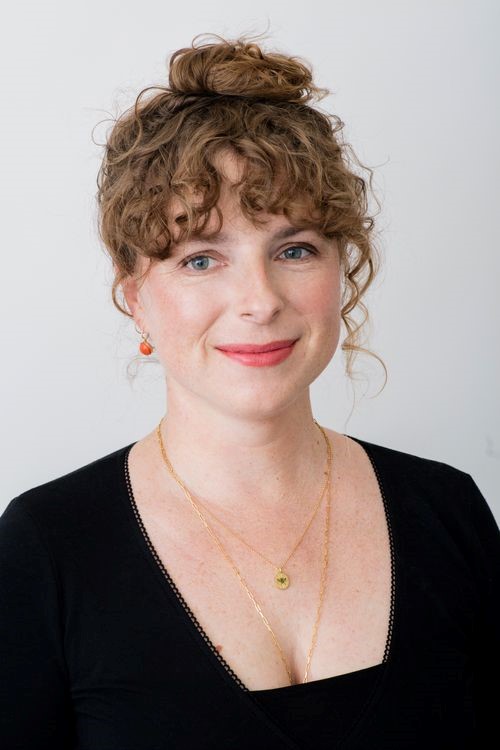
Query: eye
[
  {"x": 299, "y": 247},
  {"x": 192, "y": 258}
]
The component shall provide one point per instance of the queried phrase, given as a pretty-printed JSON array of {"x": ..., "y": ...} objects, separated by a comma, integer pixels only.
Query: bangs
[
  {"x": 282, "y": 169},
  {"x": 260, "y": 194}
]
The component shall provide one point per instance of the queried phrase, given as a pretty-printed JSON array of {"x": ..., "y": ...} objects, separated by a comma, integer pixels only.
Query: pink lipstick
[{"x": 259, "y": 355}]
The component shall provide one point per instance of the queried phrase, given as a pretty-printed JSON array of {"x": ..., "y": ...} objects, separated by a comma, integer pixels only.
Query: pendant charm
[{"x": 281, "y": 579}]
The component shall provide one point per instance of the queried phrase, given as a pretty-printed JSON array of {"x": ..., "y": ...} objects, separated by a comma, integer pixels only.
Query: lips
[{"x": 257, "y": 348}]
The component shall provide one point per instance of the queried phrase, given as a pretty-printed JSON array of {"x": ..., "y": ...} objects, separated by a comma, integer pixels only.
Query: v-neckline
[{"x": 204, "y": 639}]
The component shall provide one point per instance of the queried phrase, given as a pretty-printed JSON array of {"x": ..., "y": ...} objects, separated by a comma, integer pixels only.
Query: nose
[{"x": 258, "y": 294}]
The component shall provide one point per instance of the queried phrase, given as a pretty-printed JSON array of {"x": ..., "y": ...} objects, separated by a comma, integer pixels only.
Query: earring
[{"x": 145, "y": 347}]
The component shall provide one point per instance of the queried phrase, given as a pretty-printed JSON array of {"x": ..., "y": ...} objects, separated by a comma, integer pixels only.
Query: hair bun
[{"x": 240, "y": 68}]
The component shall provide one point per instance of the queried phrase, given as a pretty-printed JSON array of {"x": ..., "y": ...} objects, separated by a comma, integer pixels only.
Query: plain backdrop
[{"x": 416, "y": 84}]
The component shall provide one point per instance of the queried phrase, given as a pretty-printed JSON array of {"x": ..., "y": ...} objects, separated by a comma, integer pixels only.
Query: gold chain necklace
[
  {"x": 281, "y": 578},
  {"x": 241, "y": 579}
]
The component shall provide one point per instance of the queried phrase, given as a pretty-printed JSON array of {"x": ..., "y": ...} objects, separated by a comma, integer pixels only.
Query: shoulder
[
  {"x": 428, "y": 492},
  {"x": 79, "y": 491},
  {"x": 411, "y": 468},
  {"x": 417, "y": 483}
]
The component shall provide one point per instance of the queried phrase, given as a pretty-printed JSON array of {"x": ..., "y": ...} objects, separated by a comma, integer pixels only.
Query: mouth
[
  {"x": 273, "y": 356},
  {"x": 257, "y": 348}
]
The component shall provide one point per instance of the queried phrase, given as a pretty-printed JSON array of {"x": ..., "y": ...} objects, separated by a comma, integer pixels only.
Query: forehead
[
  {"x": 230, "y": 168},
  {"x": 233, "y": 223},
  {"x": 227, "y": 218},
  {"x": 229, "y": 165}
]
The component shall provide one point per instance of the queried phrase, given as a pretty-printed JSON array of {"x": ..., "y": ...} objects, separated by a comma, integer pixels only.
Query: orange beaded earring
[{"x": 145, "y": 347}]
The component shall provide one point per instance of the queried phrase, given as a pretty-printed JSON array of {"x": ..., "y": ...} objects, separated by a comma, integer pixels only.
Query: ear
[{"x": 131, "y": 294}]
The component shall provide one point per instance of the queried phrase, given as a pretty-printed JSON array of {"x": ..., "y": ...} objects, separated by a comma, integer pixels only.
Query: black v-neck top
[{"x": 99, "y": 650}]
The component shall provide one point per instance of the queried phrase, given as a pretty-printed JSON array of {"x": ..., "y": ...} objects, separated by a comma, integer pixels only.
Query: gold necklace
[
  {"x": 281, "y": 578},
  {"x": 240, "y": 577}
]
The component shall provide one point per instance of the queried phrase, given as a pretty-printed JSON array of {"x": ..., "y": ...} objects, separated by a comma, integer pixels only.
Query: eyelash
[{"x": 204, "y": 255}]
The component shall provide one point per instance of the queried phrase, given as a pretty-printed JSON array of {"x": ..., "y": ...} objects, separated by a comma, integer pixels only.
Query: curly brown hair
[{"x": 233, "y": 96}]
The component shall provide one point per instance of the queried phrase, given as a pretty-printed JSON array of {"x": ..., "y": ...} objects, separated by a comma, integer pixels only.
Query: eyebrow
[{"x": 223, "y": 238}]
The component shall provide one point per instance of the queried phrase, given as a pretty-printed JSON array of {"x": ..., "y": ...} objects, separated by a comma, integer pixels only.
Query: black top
[{"x": 99, "y": 650}]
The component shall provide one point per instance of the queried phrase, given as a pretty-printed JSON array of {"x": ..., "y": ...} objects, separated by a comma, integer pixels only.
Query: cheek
[
  {"x": 181, "y": 315},
  {"x": 321, "y": 297}
]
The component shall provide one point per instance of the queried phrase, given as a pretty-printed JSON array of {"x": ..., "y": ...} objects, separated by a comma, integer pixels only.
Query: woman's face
[{"x": 249, "y": 285}]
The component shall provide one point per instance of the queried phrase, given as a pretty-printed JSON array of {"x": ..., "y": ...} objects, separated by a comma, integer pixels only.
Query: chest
[{"x": 354, "y": 619}]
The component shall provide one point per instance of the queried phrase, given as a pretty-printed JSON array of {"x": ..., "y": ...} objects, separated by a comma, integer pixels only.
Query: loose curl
[{"x": 231, "y": 96}]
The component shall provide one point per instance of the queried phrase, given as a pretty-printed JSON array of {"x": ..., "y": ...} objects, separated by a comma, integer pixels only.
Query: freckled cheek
[
  {"x": 321, "y": 300},
  {"x": 183, "y": 318}
]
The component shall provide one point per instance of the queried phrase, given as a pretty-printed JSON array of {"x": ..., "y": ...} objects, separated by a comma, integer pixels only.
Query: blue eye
[
  {"x": 193, "y": 258},
  {"x": 297, "y": 247}
]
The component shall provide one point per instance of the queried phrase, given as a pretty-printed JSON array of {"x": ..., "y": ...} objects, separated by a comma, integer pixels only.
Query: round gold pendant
[{"x": 281, "y": 579}]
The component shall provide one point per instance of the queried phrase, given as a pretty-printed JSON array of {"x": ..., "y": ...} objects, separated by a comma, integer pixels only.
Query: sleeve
[
  {"x": 35, "y": 705},
  {"x": 485, "y": 541}
]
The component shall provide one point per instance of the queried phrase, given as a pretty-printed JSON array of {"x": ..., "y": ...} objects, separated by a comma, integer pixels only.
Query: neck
[{"x": 241, "y": 466}]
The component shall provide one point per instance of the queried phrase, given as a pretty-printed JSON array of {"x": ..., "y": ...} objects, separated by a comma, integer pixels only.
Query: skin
[
  {"x": 243, "y": 442},
  {"x": 257, "y": 451}
]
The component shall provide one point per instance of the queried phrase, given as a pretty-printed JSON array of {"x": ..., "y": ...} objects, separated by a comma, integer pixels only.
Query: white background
[{"x": 416, "y": 84}]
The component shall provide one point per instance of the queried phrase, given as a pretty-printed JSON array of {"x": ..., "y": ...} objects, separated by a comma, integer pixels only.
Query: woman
[{"x": 242, "y": 576}]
